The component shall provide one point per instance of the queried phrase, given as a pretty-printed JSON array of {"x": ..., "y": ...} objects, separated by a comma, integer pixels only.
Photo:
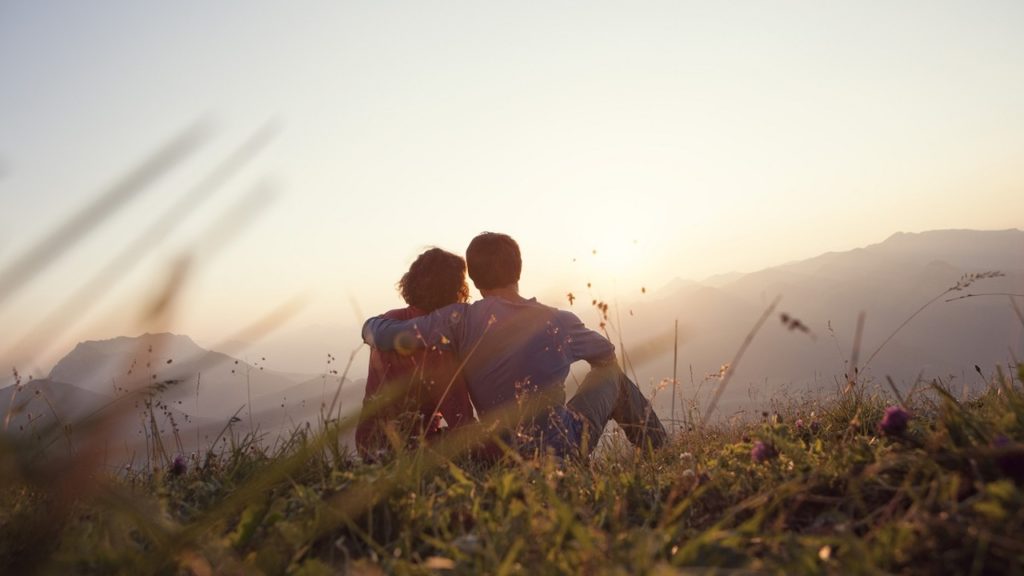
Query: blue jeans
[{"x": 606, "y": 393}]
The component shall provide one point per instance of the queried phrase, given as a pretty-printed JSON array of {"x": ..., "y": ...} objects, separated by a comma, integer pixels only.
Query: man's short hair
[{"x": 494, "y": 261}]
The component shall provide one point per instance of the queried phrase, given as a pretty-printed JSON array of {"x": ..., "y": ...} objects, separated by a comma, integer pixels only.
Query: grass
[
  {"x": 814, "y": 487},
  {"x": 835, "y": 495}
]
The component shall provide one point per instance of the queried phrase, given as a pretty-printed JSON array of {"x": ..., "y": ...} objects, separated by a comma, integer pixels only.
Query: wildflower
[
  {"x": 688, "y": 479},
  {"x": 815, "y": 426},
  {"x": 763, "y": 452},
  {"x": 467, "y": 543},
  {"x": 179, "y": 467},
  {"x": 894, "y": 422},
  {"x": 799, "y": 424},
  {"x": 1010, "y": 458}
]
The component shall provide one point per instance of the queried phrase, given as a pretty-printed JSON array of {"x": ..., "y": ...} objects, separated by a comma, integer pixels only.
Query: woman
[{"x": 413, "y": 395}]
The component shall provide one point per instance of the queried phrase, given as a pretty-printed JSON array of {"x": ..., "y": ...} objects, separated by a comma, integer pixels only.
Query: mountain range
[
  {"x": 194, "y": 393},
  {"x": 886, "y": 282},
  {"x": 200, "y": 391}
]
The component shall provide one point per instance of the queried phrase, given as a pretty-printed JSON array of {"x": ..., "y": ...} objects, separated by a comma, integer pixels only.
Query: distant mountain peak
[
  {"x": 145, "y": 337},
  {"x": 94, "y": 352},
  {"x": 970, "y": 250},
  {"x": 677, "y": 283},
  {"x": 950, "y": 234}
]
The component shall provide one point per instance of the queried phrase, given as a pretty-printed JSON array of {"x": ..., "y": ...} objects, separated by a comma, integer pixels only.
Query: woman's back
[{"x": 411, "y": 393}]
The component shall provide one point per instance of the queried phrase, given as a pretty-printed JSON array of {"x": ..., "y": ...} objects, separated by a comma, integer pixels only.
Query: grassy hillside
[{"x": 836, "y": 486}]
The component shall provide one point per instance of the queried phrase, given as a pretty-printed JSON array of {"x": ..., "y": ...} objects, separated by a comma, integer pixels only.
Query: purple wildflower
[
  {"x": 815, "y": 426},
  {"x": 179, "y": 466},
  {"x": 1011, "y": 458},
  {"x": 762, "y": 452},
  {"x": 799, "y": 424},
  {"x": 894, "y": 422}
]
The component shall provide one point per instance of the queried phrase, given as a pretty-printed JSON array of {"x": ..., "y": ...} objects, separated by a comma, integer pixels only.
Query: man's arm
[
  {"x": 586, "y": 344},
  {"x": 441, "y": 328}
]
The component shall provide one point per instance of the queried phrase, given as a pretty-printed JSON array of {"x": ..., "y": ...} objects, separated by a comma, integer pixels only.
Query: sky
[{"x": 622, "y": 144}]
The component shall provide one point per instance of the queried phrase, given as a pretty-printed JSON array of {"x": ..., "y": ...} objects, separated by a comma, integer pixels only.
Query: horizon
[
  {"x": 622, "y": 147},
  {"x": 279, "y": 340}
]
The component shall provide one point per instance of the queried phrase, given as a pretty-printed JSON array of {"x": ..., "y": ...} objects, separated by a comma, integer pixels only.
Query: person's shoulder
[
  {"x": 453, "y": 313},
  {"x": 411, "y": 312},
  {"x": 543, "y": 306},
  {"x": 559, "y": 315},
  {"x": 407, "y": 313},
  {"x": 566, "y": 316},
  {"x": 487, "y": 306},
  {"x": 456, "y": 307}
]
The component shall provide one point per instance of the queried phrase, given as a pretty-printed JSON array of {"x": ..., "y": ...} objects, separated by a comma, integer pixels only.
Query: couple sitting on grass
[{"x": 434, "y": 361}]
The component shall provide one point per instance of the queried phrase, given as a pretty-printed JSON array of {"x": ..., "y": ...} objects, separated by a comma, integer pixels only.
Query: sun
[{"x": 616, "y": 262}]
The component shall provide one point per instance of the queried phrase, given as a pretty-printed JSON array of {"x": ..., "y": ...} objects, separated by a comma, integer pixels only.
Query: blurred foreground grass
[{"x": 813, "y": 488}]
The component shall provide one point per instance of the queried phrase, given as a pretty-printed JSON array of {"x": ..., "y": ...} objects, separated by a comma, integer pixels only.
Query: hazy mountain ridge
[
  {"x": 57, "y": 414},
  {"x": 195, "y": 393},
  {"x": 199, "y": 382},
  {"x": 35, "y": 398},
  {"x": 887, "y": 281}
]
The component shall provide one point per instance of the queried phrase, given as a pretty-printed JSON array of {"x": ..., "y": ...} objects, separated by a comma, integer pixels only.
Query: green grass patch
[{"x": 827, "y": 491}]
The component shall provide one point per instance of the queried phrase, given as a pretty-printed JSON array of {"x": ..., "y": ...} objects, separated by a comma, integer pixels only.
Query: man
[{"x": 516, "y": 355}]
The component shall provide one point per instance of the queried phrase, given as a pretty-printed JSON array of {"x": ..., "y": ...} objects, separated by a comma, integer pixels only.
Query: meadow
[{"x": 865, "y": 481}]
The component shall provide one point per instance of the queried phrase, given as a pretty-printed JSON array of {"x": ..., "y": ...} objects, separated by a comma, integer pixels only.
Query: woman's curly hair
[{"x": 437, "y": 278}]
